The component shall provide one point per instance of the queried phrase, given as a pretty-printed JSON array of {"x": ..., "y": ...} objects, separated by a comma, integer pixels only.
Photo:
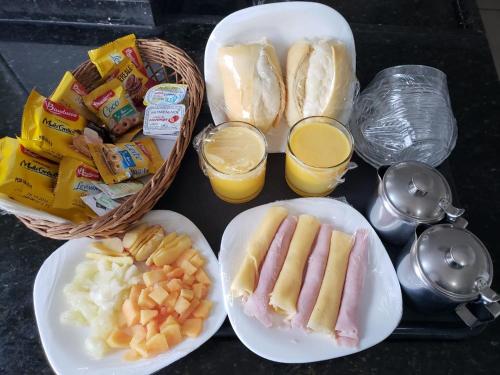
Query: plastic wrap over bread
[
  {"x": 321, "y": 80},
  {"x": 254, "y": 90}
]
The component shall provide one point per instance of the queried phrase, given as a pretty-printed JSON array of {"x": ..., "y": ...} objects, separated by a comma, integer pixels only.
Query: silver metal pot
[
  {"x": 409, "y": 193},
  {"x": 445, "y": 267}
]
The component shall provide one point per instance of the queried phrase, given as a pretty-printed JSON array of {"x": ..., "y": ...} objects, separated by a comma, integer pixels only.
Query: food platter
[
  {"x": 381, "y": 307},
  {"x": 63, "y": 344}
]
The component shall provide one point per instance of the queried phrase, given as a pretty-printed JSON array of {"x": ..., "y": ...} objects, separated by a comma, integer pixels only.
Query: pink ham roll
[
  {"x": 257, "y": 304},
  {"x": 314, "y": 276},
  {"x": 346, "y": 329}
]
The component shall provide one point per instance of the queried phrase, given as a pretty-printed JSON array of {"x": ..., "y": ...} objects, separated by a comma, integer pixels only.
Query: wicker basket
[{"x": 166, "y": 63}]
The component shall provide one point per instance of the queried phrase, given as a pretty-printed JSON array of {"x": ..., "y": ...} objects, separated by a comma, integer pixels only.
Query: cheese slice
[{"x": 326, "y": 309}]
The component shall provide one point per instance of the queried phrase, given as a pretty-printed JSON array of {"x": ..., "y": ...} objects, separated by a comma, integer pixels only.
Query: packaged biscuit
[
  {"x": 108, "y": 55},
  {"x": 29, "y": 179},
  {"x": 132, "y": 79},
  {"x": 123, "y": 161},
  {"x": 70, "y": 93},
  {"x": 49, "y": 128},
  {"x": 76, "y": 179},
  {"x": 113, "y": 106}
]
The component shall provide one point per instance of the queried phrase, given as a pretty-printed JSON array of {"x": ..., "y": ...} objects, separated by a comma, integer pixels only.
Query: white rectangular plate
[{"x": 381, "y": 307}]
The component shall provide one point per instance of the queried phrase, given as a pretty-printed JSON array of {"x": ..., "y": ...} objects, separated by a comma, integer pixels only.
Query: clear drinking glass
[
  {"x": 312, "y": 181},
  {"x": 237, "y": 186}
]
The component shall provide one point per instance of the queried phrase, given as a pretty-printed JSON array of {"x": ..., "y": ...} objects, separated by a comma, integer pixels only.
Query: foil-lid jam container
[{"x": 165, "y": 93}]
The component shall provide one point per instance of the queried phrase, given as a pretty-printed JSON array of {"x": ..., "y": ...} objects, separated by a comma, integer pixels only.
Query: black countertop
[{"x": 447, "y": 35}]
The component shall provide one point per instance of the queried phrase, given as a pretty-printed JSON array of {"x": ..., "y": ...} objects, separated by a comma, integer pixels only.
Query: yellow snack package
[
  {"x": 132, "y": 79},
  {"x": 49, "y": 128},
  {"x": 29, "y": 179},
  {"x": 123, "y": 161},
  {"x": 75, "y": 181},
  {"x": 70, "y": 93},
  {"x": 108, "y": 55},
  {"x": 113, "y": 106}
]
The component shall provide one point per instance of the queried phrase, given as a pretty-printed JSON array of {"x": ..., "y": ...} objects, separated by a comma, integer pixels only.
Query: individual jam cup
[
  {"x": 233, "y": 156},
  {"x": 318, "y": 153}
]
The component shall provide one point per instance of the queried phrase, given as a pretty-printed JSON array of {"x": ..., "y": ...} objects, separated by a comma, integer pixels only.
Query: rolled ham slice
[
  {"x": 314, "y": 276},
  {"x": 257, "y": 304},
  {"x": 347, "y": 327}
]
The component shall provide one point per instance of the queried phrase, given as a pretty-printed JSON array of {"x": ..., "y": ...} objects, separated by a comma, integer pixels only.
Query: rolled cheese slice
[
  {"x": 248, "y": 274},
  {"x": 254, "y": 90},
  {"x": 314, "y": 276},
  {"x": 257, "y": 304},
  {"x": 319, "y": 78},
  {"x": 286, "y": 291},
  {"x": 326, "y": 309},
  {"x": 347, "y": 327}
]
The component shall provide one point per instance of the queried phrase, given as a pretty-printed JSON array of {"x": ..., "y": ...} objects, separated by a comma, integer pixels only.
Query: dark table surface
[{"x": 447, "y": 35}]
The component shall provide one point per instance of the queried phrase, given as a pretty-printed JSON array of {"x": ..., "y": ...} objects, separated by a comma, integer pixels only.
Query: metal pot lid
[
  {"x": 416, "y": 191},
  {"x": 453, "y": 261}
]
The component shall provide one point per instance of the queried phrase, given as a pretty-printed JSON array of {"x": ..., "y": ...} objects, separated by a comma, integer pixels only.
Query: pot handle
[
  {"x": 452, "y": 212},
  {"x": 471, "y": 320}
]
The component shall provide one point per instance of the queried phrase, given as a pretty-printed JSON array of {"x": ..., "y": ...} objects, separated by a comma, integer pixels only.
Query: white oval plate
[
  {"x": 282, "y": 24},
  {"x": 64, "y": 344},
  {"x": 381, "y": 308}
]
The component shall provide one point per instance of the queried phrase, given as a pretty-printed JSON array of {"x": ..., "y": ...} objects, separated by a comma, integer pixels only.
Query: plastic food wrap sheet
[
  {"x": 381, "y": 308},
  {"x": 281, "y": 24},
  {"x": 404, "y": 114},
  {"x": 64, "y": 344}
]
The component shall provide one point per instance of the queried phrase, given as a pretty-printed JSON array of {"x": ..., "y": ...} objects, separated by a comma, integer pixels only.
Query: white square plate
[
  {"x": 64, "y": 344},
  {"x": 381, "y": 307},
  {"x": 282, "y": 24}
]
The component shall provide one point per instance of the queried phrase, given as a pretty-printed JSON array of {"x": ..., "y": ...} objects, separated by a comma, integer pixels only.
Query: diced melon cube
[
  {"x": 185, "y": 256},
  {"x": 157, "y": 344},
  {"x": 118, "y": 339},
  {"x": 187, "y": 294},
  {"x": 169, "y": 321},
  {"x": 139, "y": 334},
  {"x": 172, "y": 299},
  {"x": 188, "y": 268},
  {"x": 122, "y": 320},
  {"x": 173, "y": 334},
  {"x": 187, "y": 313},
  {"x": 192, "y": 327},
  {"x": 188, "y": 279},
  {"x": 158, "y": 295},
  {"x": 197, "y": 260},
  {"x": 147, "y": 315},
  {"x": 135, "y": 291},
  {"x": 131, "y": 312},
  {"x": 200, "y": 290},
  {"x": 153, "y": 277},
  {"x": 140, "y": 347},
  {"x": 181, "y": 305},
  {"x": 174, "y": 285},
  {"x": 144, "y": 301},
  {"x": 167, "y": 268},
  {"x": 151, "y": 329},
  {"x": 202, "y": 277},
  {"x": 131, "y": 355},
  {"x": 176, "y": 273},
  {"x": 203, "y": 309}
]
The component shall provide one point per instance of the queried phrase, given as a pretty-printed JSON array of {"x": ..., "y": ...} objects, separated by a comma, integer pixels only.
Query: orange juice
[
  {"x": 234, "y": 156},
  {"x": 318, "y": 152}
]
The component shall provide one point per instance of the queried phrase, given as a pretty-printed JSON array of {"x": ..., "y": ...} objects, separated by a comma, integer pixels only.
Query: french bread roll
[
  {"x": 254, "y": 90},
  {"x": 319, "y": 79}
]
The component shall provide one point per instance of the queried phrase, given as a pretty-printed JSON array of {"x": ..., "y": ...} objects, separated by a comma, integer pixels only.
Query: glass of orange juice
[
  {"x": 318, "y": 153},
  {"x": 233, "y": 156}
]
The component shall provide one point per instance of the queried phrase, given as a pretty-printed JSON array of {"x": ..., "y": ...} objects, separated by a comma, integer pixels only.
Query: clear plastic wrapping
[{"x": 404, "y": 114}]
